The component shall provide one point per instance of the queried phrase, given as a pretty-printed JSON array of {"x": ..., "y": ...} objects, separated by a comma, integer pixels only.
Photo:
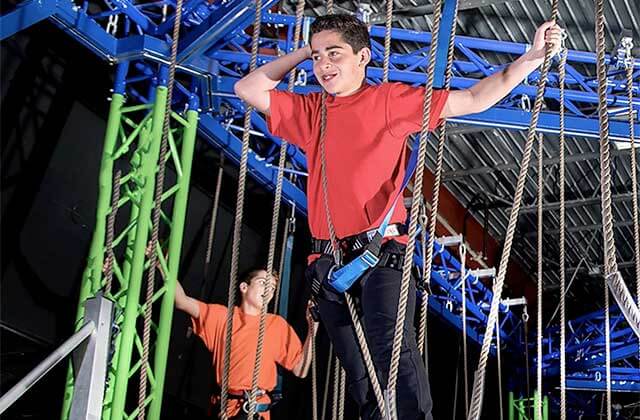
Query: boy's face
[
  {"x": 337, "y": 67},
  {"x": 252, "y": 292}
]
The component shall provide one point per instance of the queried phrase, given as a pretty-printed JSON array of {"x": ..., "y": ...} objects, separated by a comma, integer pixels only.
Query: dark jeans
[{"x": 377, "y": 295}]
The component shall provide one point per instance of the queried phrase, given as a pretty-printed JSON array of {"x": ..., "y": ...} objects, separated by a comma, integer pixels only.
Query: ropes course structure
[
  {"x": 478, "y": 386},
  {"x": 237, "y": 230},
  {"x": 121, "y": 277},
  {"x": 563, "y": 288}
]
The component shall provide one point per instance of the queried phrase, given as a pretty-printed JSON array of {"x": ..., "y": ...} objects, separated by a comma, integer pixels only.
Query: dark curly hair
[
  {"x": 248, "y": 275},
  {"x": 353, "y": 31}
]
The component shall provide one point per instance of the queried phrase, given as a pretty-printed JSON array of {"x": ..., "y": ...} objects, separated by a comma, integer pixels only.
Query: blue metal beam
[
  {"x": 497, "y": 117},
  {"x": 213, "y": 131},
  {"x": 24, "y": 15},
  {"x": 447, "y": 21},
  {"x": 227, "y": 21}
]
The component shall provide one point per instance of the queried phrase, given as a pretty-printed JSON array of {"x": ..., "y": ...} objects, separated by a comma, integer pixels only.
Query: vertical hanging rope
[
  {"x": 212, "y": 226},
  {"x": 329, "y": 7},
  {"x": 610, "y": 263},
  {"x": 426, "y": 285},
  {"x": 499, "y": 362},
  {"x": 437, "y": 181},
  {"x": 341, "y": 394},
  {"x": 465, "y": 354},
  {"x": 336, "y": 390},
  {"x": 563, "y": 288},
  {"x": 274, "y": 229},
  {"x": 387, "y": 41},
  {"x": 364, "y": 348},
  {"x": 111, "y": 220},
  {"x": 327, "y": 379},
  {"x": 237, "y": 227},
  {"x": 478, "y": 383},
  {"x": 634, "y": 177},
  {"x": 413, "y": 221},
  {"x": 157, "y": 210},
  {"x": 537, "y": 402}
]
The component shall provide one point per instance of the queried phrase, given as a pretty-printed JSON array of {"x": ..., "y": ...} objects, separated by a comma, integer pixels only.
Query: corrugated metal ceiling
[{"x": 487, "y": 160}]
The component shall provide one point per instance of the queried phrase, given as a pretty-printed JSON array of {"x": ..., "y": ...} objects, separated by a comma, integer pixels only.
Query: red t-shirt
[{"x": 365, "y": 150}]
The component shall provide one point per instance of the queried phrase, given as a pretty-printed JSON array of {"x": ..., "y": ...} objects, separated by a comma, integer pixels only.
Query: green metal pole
[
  {"x": 128, "y": 331},
  {"x": 92, "y": 275},
  {"x": 511, "y": 407},
  {"x": 175, "y": 246},
  {"x": 536, "y": 401},
  {"x": 545, "y": 408},
  {"x": 136, "y": 168},
  {"x": 521, "y": 409}
]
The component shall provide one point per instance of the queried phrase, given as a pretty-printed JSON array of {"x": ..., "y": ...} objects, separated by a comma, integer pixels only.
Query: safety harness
[{"x": 341, "y": 278}]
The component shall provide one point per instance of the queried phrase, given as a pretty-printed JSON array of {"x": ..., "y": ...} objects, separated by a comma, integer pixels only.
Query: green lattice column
[
  {"x": 132, "y": 141},
  {"x": 521, "y": 409}
]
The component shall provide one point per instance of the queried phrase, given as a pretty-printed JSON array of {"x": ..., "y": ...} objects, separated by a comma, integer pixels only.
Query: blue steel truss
[
  {"x": 585, "y": 352},
  {"x": 213, "y": 55}
]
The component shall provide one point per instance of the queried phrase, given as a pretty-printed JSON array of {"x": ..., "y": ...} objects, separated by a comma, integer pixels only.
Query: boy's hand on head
[
  {"x": 307, "y": 50},
  {"x": 548, "y": 33}
]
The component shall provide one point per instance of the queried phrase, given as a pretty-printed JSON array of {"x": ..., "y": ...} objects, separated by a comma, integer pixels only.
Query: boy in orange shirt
[{"x": 281, "y": 346}]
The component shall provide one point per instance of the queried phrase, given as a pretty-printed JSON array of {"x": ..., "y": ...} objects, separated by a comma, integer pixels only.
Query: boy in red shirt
[
  {"x": 365, "y": 133},
  {"x": 281, "y": 346}
]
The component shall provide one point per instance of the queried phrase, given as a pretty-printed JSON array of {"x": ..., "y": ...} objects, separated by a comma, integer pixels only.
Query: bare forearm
[
  {"x": 492, "y": 89},
  {"x": 254, "y": 87},
  {"x": 185, "y": 303},
  {"x": 302, "y": 368}
]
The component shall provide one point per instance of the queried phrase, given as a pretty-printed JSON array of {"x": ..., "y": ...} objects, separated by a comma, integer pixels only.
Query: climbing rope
[
  {"x": 341, "y": 393},
  {"x": 424, "y": 299},
  {"x": 634, "y": 178},
  {"x": 455, "y": 386},
  {"x": 413, "y": 221},
  {"x": 212, "y": 226},
  {"x": 441, "y": 134},
  {"x": 274, "y": 228},
  {"x": 327, "y": 379},
  {"x": 336, "y": 390},
  {"x": 330, "y": 7},
  {"x": 111, "y": 220},
  {"x": 563, "y": 288},
  {"x": 465, "y": 355},
  {"x": 478, "y": 383},
  {"x": 387, "y": 41},
  {"x": 610, "y": 263},
  {"x": 537, "y": 404},
  {"x": 362, "y": 342},
  {"x": 237, "y": 227},
  {"x": 157, "y": 210},
  {"x": 499, "y": 363}
]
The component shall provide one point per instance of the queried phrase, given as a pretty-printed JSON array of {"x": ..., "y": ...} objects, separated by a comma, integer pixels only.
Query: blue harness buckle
[{"x": 343, "y": 278}]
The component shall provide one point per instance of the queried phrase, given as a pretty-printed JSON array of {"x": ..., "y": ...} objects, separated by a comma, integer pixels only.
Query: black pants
[{"x": 377, "y": 294}]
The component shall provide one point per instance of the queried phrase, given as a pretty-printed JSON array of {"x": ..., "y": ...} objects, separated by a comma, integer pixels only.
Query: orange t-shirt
[{"x": 281, "y": 346}]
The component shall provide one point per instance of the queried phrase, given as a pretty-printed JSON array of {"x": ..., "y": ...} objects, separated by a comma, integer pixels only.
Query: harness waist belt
[{"x": 356, "y": 242}]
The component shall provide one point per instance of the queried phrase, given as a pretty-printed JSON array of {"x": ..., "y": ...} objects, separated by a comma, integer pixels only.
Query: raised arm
[
  {"x": 302, "y": 368},
  {"x": 186, "y": 303},
  {"x": 254, "y": 87},
  {"x": 492, "y": 89}
]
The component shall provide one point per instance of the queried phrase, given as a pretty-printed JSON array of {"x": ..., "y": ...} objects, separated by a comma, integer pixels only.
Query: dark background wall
[{"x": 54, "y": 106}]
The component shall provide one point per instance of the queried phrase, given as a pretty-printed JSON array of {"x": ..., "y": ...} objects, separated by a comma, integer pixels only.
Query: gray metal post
[
  {"x": 90, "y": 362},
  {"x": 45, "y": 366}
]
